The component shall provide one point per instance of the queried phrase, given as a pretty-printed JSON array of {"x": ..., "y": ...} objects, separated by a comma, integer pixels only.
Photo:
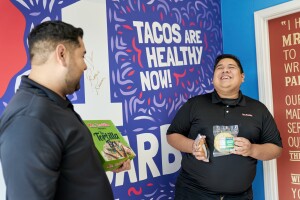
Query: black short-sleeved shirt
[
  {"x": 46, "y": 150},
  {"x": 230, "y": 174}
]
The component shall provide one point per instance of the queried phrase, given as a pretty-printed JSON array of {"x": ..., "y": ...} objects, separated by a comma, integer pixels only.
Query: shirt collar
[
  {"x": 41, "y": 90},
  {"x": 240, "y": 100}
]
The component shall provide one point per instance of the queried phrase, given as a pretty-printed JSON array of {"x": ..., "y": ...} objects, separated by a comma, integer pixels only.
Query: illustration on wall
[{"x": 161, "y": 53}]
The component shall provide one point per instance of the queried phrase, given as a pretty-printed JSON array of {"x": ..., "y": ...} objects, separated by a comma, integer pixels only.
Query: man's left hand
[
  {"x": 125, "y": 166},
  {"x": 242, "y": 146}
]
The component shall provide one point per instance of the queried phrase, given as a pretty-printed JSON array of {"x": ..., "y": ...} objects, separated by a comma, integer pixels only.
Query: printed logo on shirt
[{"x": 247, "y": 115}]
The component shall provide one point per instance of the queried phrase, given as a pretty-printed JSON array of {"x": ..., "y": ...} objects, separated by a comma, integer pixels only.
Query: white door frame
[{"x": 264, "y": 78}]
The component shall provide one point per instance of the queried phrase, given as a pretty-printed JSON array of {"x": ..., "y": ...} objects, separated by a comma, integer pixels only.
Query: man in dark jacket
[{"x": 46, "y": 150}]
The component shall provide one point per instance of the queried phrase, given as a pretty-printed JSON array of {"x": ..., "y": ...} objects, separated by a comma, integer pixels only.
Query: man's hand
[
  {"x": 267, "y": 151},
  {"x": 198, "y": 150},
  {"x": 242, "y": 146},
  {"x": 125, "y": 166}
]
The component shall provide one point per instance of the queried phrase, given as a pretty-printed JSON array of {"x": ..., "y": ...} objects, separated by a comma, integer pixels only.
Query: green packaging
[{"x": 111, "y": 145}]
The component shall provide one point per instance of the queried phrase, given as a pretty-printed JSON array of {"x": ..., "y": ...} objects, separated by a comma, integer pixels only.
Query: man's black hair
[
  {"x": 233, "y": 57},
  {"x": 54, "y": 32}
]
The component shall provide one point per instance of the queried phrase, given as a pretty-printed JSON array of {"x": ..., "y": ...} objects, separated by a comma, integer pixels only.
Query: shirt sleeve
[
  {"x": 181, "y": 122},
  {"x": 30, "y": 157},
  {"x": 271, "y": 133}
]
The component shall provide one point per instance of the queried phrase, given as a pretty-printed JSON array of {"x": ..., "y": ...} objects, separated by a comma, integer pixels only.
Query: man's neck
[{"x": 228, "y": 95}]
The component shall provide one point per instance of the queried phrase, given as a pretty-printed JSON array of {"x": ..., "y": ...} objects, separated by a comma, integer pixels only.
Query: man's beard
[{"x": 77, "y": 86}]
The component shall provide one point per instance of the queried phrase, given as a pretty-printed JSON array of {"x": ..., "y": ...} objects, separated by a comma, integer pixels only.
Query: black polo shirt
[
  {"x": 46, "y": 150},
  {"x": 229, "y": 174}
]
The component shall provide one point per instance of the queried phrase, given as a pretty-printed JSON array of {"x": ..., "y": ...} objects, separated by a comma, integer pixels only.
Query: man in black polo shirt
[
  {"x": 46, "y": 151},
  {"x": 228, "y": 174}
]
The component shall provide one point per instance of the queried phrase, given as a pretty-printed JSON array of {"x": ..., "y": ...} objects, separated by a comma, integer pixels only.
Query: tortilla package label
[
  {"x": 111, "y": 145},
  {"x": 224, "y": 139}
]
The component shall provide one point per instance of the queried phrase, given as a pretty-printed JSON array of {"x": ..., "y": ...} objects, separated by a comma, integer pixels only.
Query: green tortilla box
[{"x": 111, "y": 145}]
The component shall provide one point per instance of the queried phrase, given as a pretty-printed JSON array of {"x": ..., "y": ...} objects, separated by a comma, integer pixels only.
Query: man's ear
[
  {"x": 243, "y": 77},
  {"x": 61, "y": 54}
]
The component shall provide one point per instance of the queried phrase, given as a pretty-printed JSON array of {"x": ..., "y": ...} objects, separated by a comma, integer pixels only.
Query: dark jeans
[{"x": 183, "y": 193}]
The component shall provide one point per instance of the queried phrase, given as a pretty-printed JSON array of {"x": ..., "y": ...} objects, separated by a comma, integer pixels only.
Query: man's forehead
[
  {"x": 231, "y": 63},
  {"x": 82, "y": 46}
]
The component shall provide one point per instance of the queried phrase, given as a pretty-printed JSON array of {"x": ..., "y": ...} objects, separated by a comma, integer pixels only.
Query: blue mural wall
[{"x": 161, "y": 53}]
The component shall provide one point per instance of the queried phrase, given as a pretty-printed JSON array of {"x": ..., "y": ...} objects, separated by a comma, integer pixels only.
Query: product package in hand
[
  {"x": 111, "y": 145},
  {"x": 224, "y": 139},
  {"x": 201, "y": 145}
]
